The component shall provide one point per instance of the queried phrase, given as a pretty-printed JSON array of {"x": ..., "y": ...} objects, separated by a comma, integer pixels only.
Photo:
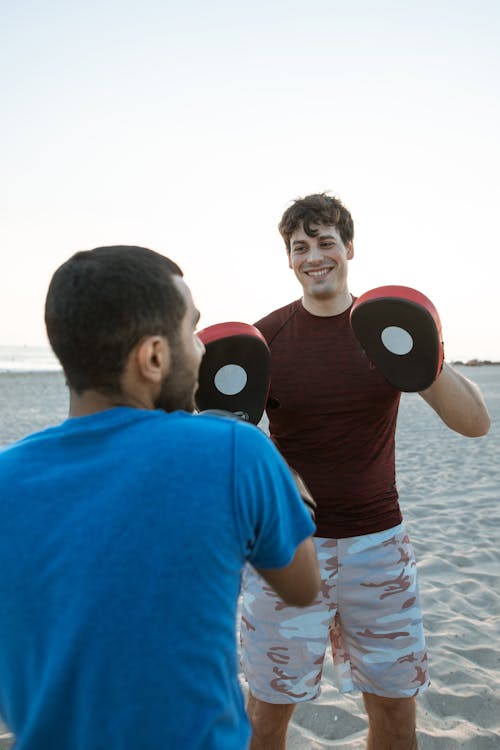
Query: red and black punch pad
[
  {"x": 400, "y": 332},
  {"x": 235, "y": 370}
]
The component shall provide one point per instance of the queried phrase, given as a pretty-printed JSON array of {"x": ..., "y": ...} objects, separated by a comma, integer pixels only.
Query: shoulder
[
  {"x": 241, "y": 439},
  {"x": 272, "y": 323},
  {"x": 230, "y": 425}
]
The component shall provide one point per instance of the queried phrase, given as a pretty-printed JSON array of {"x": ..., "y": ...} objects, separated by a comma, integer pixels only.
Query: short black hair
[
  {"x": 101, "y": 302},
  {"x": 318, "y": 208}
]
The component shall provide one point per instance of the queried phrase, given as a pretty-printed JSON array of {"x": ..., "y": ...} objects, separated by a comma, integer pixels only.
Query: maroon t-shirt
[{"x": 333, "y": 416}]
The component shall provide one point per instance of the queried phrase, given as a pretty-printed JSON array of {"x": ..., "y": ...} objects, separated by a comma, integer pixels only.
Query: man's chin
[{"x": 322, "y": 294}]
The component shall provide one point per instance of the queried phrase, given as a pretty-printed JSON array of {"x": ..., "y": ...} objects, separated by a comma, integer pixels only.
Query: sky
[{"x": 189, "y": 127}]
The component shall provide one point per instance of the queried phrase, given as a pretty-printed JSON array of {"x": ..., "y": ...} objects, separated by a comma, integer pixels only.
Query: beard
[{"x": 178, "y": 388}]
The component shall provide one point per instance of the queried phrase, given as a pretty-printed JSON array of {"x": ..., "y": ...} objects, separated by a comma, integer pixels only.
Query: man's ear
[
  {"x": 289, "y": 254},
  {"x": 350, "y": 249},
  {"x": 153, "y": 358}
]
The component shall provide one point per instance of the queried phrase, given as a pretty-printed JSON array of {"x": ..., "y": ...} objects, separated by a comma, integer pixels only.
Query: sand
[{"x": 450, "y": 496}]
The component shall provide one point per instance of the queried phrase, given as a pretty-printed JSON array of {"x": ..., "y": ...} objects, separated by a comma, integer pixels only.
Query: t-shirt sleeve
[{"x": 270, "y": 513}]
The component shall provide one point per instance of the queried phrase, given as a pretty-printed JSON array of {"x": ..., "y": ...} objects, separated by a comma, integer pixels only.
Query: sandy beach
[{"x": 450, "y": 495}]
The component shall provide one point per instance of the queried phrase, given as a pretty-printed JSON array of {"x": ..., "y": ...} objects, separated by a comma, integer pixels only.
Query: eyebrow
[{"x": 316, "y": 237}]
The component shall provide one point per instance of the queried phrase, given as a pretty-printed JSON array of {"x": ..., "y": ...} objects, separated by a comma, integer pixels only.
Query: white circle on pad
[
  {"x": 397, "y": 340},
  {"x": 230, "y": 379}
]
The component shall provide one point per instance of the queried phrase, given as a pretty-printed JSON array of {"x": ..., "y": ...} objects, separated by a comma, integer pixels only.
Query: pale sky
[{"x": 189, "y": 127}]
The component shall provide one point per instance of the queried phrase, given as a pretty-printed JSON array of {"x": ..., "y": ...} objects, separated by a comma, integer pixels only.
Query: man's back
[{"x": 127, "y": 531}]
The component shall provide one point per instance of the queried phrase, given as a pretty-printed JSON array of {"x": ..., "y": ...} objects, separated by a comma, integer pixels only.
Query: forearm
[
  {"x": 298, "y": 583},
  {"x": 458, "y": 402}
]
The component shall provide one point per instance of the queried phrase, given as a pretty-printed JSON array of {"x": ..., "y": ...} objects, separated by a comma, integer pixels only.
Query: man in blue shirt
[{"x": 125, "y": 528}]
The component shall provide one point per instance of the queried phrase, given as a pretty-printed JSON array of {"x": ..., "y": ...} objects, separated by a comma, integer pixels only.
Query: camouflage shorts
[{"x": 368, "y": 609}]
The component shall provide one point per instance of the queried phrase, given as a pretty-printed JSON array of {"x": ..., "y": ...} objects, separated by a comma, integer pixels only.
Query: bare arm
[
  {"x": 458, "y": 402},
  {"x": 298, "y": 582}
]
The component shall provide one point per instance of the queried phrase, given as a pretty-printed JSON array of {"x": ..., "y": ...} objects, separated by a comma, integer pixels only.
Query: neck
[
  {"x": 92, "y": 402},
  {"x": 327, "y": 307}
]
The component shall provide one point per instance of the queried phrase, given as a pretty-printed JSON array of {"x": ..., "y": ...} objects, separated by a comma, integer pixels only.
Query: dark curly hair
[{"x": 319, "y": 208}]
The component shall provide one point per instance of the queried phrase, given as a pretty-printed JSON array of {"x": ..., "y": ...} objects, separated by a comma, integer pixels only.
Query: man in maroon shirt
[{"x": 332, "y": 415}]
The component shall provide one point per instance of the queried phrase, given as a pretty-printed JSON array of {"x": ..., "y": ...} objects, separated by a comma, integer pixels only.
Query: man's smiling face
[{"x": 320, "y": 262}]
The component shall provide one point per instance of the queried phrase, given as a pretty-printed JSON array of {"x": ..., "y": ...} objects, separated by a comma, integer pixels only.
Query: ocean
[{"x": 27, "y": 359}]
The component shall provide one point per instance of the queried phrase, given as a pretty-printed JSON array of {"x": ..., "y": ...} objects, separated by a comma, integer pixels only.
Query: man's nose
[{"x": 314, "y": 254}]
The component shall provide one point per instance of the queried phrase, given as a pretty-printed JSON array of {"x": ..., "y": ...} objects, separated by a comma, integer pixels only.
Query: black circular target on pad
[{"x": 235, "y": 370}]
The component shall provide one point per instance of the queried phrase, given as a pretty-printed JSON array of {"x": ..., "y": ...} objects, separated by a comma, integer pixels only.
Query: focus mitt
[
  {"x": 400, "y": 332},
  {"x": 235, "y": 370}
]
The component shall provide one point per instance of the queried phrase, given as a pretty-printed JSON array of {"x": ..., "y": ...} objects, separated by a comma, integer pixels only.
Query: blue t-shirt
[{"x": 123, "y": 537}]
